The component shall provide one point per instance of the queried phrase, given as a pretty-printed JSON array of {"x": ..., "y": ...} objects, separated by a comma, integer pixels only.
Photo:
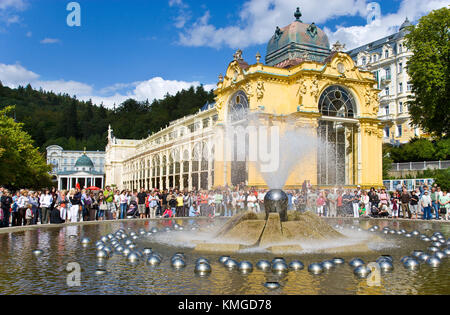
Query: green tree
[
  {"x": 429, "y": 72},
  {"x": 23, "y": 166}
]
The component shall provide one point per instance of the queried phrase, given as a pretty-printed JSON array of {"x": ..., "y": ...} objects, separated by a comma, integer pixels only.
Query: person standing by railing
[
  {"x": 435, "y": 202},
  {"x": 426, "y": 203}
]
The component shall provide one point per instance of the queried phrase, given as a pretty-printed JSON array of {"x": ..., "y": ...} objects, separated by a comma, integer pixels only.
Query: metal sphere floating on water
[
  {"x": 153, "y": 260},
  {"x": 133, "y": 257},
  {"x": 362, "y": 271},
  {"x": 386, "y": 231},
  {"x": 441, "y": 255},
  {"x": 408, "y": 235},
  {"x": 231, "y": 264},
  {"x": 128, "y": 242},
  {"x": 436, "y": 244},
  {"x": 403, "y": 231},
  {"x": 434, "y": 238},
  {"x": 338, "y": 261},
  {"x": 178, "y": 263},
  {"x": 202, "y": 261},
  {"x": 372, "y": 230},
  {"x": 424, "y": 257},
  {"x": 411, "y": 264},
  {"x": 415, "y": 233},
  {"x": 223, "y": 259},
  {"x": 426, "y": 239},
  {"x": 328, "y": 264},
  {"x": 280, "y": 266},
  {"x": 245, "y": 267},
  {"x": 119, "y": 249},
  {"x": 272, "y": 285},
  {"x": 296, "y": 265},
  {"x": 433, "y": 261},
  {"x": 202, "y": 268},
  {"x": 278, "y": 259},
  {"x": 38, "y": 252},
  {"x": 98, "y": 243},
  {"x": 433, "y": 249},
  {"x": 386, "y": 266},
  {"x": 100, "y": 272},
  {"x": 126, "y": 251},
  {"x": 263, "y": 265},
  {"x": 102, "y": 254},
  {"x": 446, "y": 251},
  {"x": 356, "y": 262},
  {"x": 85, "y": 240},
  {"x": 99, "y": 247},
  {"x": 132, "y": 246},
  {"x": 399, "y": 233},
  {"x": 147, "y": 251},
  {"x": 315, "y": 268},
  {"x": 181, "y": 255},
  {"x": 135, "y": 237},
  {"x": 404, "y": 258},
  {"x": 392, "y": 232},
  {"x": 416, "y": 253},
  {"x": 104, "y": 239},
  {"x": 388, "y": 257},
  {"x": 154, "y": 230},
  {"x": 376, "y": 227}
]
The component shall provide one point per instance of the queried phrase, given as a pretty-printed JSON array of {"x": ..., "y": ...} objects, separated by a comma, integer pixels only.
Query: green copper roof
[{"x": 84, "y": 161}]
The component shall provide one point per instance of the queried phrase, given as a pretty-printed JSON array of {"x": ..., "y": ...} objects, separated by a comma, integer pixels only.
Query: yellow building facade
[{"x": 303, "y": 85}]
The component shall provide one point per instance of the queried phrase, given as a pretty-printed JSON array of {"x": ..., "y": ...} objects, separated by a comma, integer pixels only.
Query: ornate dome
[
  {"x": 84, "y": 161},
  {"x": 298, "y": 40}
]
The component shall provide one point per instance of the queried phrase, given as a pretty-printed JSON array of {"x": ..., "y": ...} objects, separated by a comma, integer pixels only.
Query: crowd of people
[{"x": 50, "y": 206}]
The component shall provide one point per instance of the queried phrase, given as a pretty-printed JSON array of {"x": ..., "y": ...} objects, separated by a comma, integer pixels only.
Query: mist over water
[{"x": 295, "y": 146}]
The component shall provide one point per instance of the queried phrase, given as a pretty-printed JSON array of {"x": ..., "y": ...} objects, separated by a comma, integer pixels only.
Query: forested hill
[{"x": 63, "y": 120}]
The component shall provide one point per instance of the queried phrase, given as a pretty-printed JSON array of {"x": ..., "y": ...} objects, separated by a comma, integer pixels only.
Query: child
[
  {"x": 320, "y": 202},
  {"x": 167, "y": 214},
  {"x": 362, "y": 209},
  {"x": 193, "y": 211},
  {"x": 29, "y": 214}
]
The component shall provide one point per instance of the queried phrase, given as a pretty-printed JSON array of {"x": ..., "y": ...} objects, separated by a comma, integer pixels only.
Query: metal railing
[{"x": 421, "y": 166}]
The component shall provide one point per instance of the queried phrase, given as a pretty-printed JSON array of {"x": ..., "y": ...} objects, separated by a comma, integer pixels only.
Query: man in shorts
[{"x": 142, "y": 196}]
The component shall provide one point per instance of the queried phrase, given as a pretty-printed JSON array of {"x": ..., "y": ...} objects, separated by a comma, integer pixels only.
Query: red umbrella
[{"x": 93, "y": 188}]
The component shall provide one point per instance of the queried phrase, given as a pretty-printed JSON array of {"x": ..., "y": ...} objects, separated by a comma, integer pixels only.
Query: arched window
[
  {"x": 337, "y": 101},
  {"x": 238, "y": 107}
]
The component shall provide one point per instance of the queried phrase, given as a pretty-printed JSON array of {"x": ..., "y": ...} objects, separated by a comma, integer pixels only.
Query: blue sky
[{"x": 144, "y": 49}]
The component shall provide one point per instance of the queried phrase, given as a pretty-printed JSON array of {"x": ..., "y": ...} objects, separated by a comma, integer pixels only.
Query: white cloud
[
  {"x": 8, "y": 9},
  {"x": 12, "y": 4},
  {"x": 258, "y": 19},
  {"x": 184, "y": 14},
  {"x": 154, "y": 88},
  {"x": 355, "y": 36},
  {"x": 50, "y": 41},
  {"x": 15, "y": 75}
]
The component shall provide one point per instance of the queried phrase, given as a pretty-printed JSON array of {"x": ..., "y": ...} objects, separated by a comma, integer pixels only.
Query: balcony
[{"x": 386, "y": 79}]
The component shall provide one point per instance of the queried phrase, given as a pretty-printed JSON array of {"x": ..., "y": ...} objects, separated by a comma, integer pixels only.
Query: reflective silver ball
[
  {"x": 362, "y": 271},
  {"x": 408, "y": 235},
  {"x": 447, "y": 251},
  {"x": 148, "y": 234},
  {"x": 132, "y": 246},
  {"x": 202, "y": 261},
  {"x": 272, "y": 285},
  {"x": 386, "y": 231},
  {"x": 202, "y": 268},
  {"x": 178, "y": 263},
  {"x": 38, "y": 252},
  {"x": 296, "y": 265},
  {"x": 376, "y": 227},
  {"x": 128, "y": 242},
  {"x": 426, "y": 239},
  {"x": 440, "y": 255},
  {"x": 417, "y": 253},
  {"x": 263, "y": 265},
  {"x": 415, "y": 233},
  {"x": 98, "y": 243},
  {"x": 436, "y": 244},
  {"x": 315, "y": 268},
  {"x": 245, "y": 267},
  {"x": 100, "y": 272},
  {"x": 411, "y": 264},
  {"x": 231, "y": 264},
  {"x": 104, "y": 239},
  {"x": 223, "y": 259},
  {"x": 99, "y": 247},
  {"x": 424, "y": 257},
  {"x": 434, "y": 238},
  {"x": 404, "y": 258},
  {"x": 133, "y": 257},
  {"x": 85, "y": 240},
  {"x": 433, "y": 249},
  {"x": 433, "y": 262},
  {"x": 153, "y": 260},
  {"x": 181, "y": 255},
  {"x": 278, "y": 259},
  {"x": 392, "y": 232},
  {"x": 154, "y": 230},
  {"x": 280, "y": 266},
  {"x": 356, "y": 262},
  {"x": 126, "y": 251},
  {"x": 388, "y": 257},
  {"x": 386, "y": 266},
  {"x": 167, "y": 229},
  {"x": 338, "y": 261},
  {"x": 372, "y": 230},
  {"x": 119, "y": 249},
  {"x": 399, "y": 233},
  {"x": 403, "y": 231},
  {"x": 148, "y": 251},
  {"x": 102, "y": 254},
  {"x": 328, "y": 264},
  {"x": 135, "y": 237}
]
